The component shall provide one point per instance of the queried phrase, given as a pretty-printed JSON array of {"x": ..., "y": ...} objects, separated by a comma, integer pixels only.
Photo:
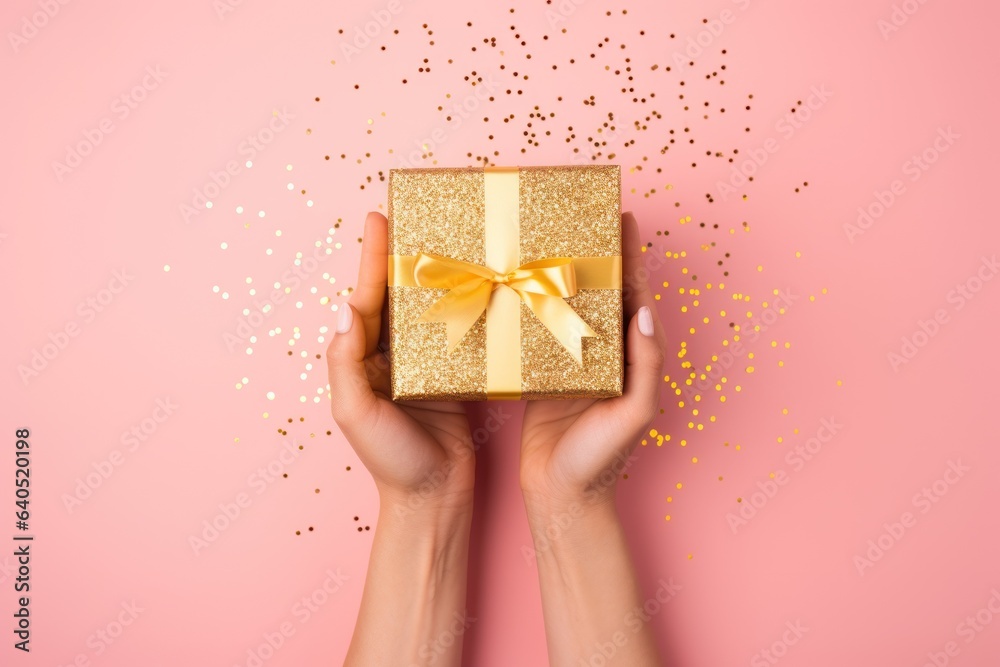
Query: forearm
[
  {"x": 590, "y": 596},
  {"x": 413, "y": 608}
]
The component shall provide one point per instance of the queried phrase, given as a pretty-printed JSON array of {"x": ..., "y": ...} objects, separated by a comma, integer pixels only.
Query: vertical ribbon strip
[{"x": 503, "y": 314}]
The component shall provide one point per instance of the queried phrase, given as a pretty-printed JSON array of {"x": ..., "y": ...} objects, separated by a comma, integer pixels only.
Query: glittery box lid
[{"x": 569, "y": 211}]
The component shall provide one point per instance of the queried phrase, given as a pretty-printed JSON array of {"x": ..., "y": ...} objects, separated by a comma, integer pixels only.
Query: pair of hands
[
  {"x": 422, "y": 456},
  {"x": 425, "y": 449}
]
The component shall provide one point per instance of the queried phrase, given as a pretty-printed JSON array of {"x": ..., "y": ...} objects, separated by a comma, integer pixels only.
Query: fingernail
[
  {"x": 345, "y": 318},
  {"x": 645, "y": 321}
]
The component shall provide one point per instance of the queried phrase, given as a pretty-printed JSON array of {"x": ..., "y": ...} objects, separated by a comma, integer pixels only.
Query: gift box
[{"x": 505, "y": 283}]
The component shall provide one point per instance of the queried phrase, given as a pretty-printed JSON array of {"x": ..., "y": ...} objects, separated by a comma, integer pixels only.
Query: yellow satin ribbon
[{"x": 542, "y": 285}]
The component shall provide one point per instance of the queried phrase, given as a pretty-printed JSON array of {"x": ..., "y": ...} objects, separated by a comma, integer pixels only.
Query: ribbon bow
[{"x": 542, "y": 286}]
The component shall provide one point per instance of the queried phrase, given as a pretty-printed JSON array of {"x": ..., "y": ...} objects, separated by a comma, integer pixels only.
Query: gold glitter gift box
[{"x": 505, "y": 283}]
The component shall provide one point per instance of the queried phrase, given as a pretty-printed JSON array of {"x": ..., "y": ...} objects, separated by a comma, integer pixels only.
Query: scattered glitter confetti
[{"x": 653, "y": 126}]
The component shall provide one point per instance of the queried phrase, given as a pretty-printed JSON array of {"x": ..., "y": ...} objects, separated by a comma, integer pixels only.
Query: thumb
[
  {"x": 643, "y": 366},
  {"x": 352, "y": 399}
]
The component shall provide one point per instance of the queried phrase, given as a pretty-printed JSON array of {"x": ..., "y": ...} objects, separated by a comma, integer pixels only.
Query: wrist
[
  {"x": 434, "y": 536},
  {"x": 444, "y": 492},
  {"x": 565, "y": 523},
  {"x": 545, "y": 501},
  {"x": 554, "y": 490},
  {"x": 548, "y": 496},
  {"x": 424, "y": 510}
]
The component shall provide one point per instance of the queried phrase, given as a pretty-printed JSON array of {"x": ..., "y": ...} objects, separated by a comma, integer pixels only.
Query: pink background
[{"x": 163, "y": 336}]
